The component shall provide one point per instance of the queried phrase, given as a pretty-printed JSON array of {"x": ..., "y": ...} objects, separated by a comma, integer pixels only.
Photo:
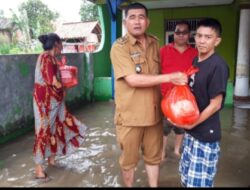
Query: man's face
[
  {"x": 136, "y": 22},
  {"x": 181, "y": 34},
  {"x": 206, "y": 39}
]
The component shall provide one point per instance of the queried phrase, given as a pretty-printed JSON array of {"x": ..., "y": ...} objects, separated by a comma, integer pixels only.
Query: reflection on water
[
  {"x": 95, "y": 164},
  {"x": 236, "y": 121},
  {"x": 240, "y": 118}
]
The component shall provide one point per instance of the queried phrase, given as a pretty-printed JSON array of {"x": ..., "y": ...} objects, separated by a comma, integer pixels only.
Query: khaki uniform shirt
[{"x": 136, "y": 106}]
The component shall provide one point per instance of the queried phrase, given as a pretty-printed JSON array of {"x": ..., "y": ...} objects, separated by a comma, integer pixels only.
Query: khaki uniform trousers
[{"x": 132, "y": 140}]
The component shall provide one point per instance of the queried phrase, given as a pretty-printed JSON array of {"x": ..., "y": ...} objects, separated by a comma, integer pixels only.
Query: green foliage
[
  {"x": 88, "y": 11},
  {"x": 5, "y": 49},
  {"x": 32, "y": 19},
  {"x": 15, "y": 50},
  {"x": 1, "y": 13},
  {"x": 38, "y": 48},
  {"x": 22, "y": 23},
  {"x": 19, "y": 48},
  {"x": 40, "y": 17}
]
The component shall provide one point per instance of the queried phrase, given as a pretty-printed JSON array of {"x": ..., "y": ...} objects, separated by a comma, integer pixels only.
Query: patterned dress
[{"x": 57, "y": 132}]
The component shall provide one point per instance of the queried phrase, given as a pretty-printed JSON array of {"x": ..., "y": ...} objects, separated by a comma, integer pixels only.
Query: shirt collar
[
  {"x": 133, "y": 40},
  {"x": 172, "y": 46}
]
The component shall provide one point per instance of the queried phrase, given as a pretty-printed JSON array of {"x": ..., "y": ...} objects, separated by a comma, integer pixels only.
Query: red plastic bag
[
  {"x": 179, "y": 105},
  {"x": 68, "y": 74}
]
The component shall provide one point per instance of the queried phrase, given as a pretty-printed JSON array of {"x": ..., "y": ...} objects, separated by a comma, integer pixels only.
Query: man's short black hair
[
  {"x": 180, "y": 22},
  {"x": 212, "y": 23},
  {"x": 135, "y": 6}
]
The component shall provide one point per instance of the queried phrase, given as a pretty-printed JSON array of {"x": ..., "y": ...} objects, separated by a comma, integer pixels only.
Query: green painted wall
[
  {"x": 102, "y": 63},
  {"x": 226, "y": 14},
  {"x": 229, "y": 95},
  {"x": 102, "y": 88}
]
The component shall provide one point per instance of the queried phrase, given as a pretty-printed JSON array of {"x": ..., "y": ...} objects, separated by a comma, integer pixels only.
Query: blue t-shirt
[{"x": 206, "y": 84}]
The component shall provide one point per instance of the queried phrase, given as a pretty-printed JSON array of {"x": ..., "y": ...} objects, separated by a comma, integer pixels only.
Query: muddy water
[{"x": 95, "y": 163}]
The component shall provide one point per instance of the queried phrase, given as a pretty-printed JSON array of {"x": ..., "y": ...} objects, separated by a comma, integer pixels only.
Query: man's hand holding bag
[{"x": 179, "y": 104}]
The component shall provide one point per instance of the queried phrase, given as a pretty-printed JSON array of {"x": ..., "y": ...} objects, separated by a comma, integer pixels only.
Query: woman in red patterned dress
[{"x": 57, "y": 132}]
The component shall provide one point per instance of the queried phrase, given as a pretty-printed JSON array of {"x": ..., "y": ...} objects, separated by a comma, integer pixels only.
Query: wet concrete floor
[{"x": 95, "y": 163}]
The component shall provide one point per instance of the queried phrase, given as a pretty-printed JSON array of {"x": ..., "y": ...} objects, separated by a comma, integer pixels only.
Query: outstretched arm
[{"x": 142, "y": 80}]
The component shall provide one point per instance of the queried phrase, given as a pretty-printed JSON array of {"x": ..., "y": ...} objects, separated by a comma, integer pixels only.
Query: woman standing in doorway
[{"x": 57, "y": 132}]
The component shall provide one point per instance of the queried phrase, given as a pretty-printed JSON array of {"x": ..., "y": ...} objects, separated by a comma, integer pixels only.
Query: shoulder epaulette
[
  {"x": 153, "y": 36},
  {"x": 122, "y": 40}
]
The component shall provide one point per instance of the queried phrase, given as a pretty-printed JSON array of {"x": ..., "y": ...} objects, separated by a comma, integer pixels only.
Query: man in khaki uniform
[{"x": 135, "y": 58}]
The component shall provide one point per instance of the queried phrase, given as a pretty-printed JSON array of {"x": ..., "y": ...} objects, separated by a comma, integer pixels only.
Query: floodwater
[{"x": 95, "y": 163}]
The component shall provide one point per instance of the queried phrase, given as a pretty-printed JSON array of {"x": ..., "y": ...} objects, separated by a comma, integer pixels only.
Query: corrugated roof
[{"x": 74, "y": 30}]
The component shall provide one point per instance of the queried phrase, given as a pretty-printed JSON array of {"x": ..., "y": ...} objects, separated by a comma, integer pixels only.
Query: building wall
[
  {"x": 17, "y": 71},
  {"x": 102, "y": 63},
  {"x": 16, "y": 100},
  {"x": 227, "y": 48},
  {"x": 17, "y": 80},
  {"x": 101, "y": 59}
]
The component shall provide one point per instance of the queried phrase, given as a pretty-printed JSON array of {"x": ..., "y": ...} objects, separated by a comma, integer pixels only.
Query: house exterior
[
  {"x": 234, "y": 16},
  {"x": 6, "y": 30},
  {"x": 79, "y": 36}
]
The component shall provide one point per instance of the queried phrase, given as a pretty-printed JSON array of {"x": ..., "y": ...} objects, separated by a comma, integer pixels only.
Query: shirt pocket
[{"x": 155, "y": 66}]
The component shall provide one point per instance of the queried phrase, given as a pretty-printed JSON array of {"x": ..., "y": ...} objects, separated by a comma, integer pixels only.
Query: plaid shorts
[{"x": 198, "y": 164}]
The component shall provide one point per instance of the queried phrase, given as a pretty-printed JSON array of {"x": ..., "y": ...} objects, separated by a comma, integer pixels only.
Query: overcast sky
[{"x": 68, "y": 9}]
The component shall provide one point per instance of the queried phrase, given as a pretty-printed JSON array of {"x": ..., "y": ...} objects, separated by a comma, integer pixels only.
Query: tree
[
  {"x": 40, "y": 17},
  {"x": 1, "y": 13},
  {"x": 21, "y": 23},
  {"x": 88, "y": 11}
]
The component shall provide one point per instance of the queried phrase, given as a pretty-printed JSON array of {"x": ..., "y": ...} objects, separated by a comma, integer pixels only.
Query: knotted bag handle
[{"x": 191, "y": 70}]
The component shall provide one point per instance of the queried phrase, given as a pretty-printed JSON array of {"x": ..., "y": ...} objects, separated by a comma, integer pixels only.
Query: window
[{"x": 170, "y": 26}]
